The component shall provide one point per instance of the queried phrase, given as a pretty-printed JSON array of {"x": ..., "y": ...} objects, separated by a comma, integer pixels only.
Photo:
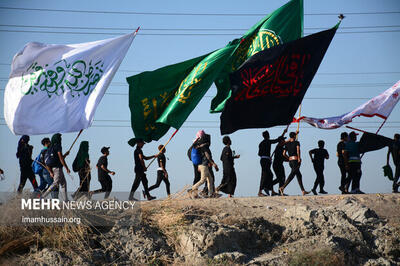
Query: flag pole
[
  {"x": 80, "y": 132},
  {"x": 384, "y": 121},
  {"x": 360, "y": 130},
  {"x": 162, "y": 148},
  {"x": 298, "y": 125}
]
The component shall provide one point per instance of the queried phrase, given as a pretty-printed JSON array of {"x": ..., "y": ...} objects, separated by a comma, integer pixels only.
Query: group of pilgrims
[{"x": 50, "y": 162}]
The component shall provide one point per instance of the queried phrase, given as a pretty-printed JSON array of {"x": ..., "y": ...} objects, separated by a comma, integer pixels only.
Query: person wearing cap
[
  {"x": 394, "y": 149},
  {"x": 339, "y": 153},
  {"x": 278, "y": 161},
  {"x": 291, "y": 151},
  {"x": 103, "y": 174},
  {"x": 318, "y": 156},
  {"x": 140, "y": 169},
  {"x": 352, "y": 162},
  {"x": 264, "y": 151},
  {"x": 162, "y": 174}
]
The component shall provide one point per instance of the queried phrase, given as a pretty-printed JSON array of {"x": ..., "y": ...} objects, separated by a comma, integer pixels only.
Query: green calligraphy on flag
[{"x": 283, "y": 25}]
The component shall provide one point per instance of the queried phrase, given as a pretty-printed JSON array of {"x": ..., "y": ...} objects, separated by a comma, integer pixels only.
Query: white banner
[
  {"x": 56, "y": 88},
  {"x": 381, "y": 106}
]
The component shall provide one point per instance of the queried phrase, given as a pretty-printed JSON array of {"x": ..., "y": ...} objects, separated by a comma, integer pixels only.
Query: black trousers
[
  {"x": 354, "y": 175},
  {"x": 320, "y": 180},
  {"x": 279, "y": 170},
  {"x": 396, "y": 178},
  {"x": 161, "y": 177},
  {"x": 294, "y": 164},
  {"x": 139, "y": 177},
  {"x": 106, "y": 186},
  {"x": 266, "y": 175},
  {"x": 344, "y": 179},
  {"x": 27, "y": 173}
]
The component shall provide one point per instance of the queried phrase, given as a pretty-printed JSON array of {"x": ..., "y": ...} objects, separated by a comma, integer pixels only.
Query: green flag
[
  {"x": 165, "y": 97},
  {"x": 283, "y": 25}
]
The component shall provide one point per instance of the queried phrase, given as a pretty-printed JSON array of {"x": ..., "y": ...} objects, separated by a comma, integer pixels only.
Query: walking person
[
  {"x": 140, "y": 169},
  {"x": 394, "y": 149},
  {"x": 228, "y": 182},
  {"x": 278, "y": 161},
  {"x": 81, "y": 165},
  {"x": 24, "y": 155},
  {"x": 339, "y": 153},
  {"x": 320, "y": 155},
  {"x": 291, "y": 152},
  {"x": 204, "y": 166},
  {"x": 55, "y": 160},
  {"x": 264, "y": 151},
  {"x": 39, "y": 168},
  {"x": 103, "y": 173},
  {"x": 352, "y": 161},
  {"x": 162, "y": 174}
]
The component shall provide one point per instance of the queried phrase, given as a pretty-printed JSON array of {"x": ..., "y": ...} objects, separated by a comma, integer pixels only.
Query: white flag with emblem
[
  {"x": 381, "y": 106},
  {"x": 57, "y": 88}
]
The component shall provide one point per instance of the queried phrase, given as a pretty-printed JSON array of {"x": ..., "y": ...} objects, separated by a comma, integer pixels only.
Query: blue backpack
[
  {"x": 195, "y": 156},
  {"x": 36, "y": 166}
]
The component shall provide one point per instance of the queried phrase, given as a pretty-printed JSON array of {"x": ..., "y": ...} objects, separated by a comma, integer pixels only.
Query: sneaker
[
  {"x": 314, "y": 192},
  {"x": 150, "y": 197},
  {"x": 323, "y": 192}
]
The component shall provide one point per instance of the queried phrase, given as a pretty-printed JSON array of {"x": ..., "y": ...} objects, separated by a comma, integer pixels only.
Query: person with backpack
[
  {"x": 81, "y": 165},
  {"x": 55, "y": 160},
  {"x": 203, "y": 165},
  {"x": 228, "y": 182},
  {"x": 24, "y": 154},
  {"x": 140, "y": 169},
  {"x": 103, "y": 173},
  {"x": 38, "y": 166},
  {"x": 320, "y": 155},
  {"x": 162, "y": 174}
]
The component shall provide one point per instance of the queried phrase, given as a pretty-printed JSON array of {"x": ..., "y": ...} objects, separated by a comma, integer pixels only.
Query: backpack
[
  {"x": 195, "y": 156},
  {"x": 36, "y": 166},
  {"x": 50, "y": 157}
]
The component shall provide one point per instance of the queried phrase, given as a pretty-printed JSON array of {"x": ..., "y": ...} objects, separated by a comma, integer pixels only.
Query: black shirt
[
  {"x": 161, "y": 159},
  {"x": 339, "y": 148},
  {"x": 25, "y": 155},
  {"x": 278, "y": 157},
  {"x": 395, "y": 150},
  {"x": 138, "y": 163},
  {"x": 291, "y": 148},
  {"x": 227, "y": 157},
  {"x": 264, "y": 148},
  {"x": 102, "y": 161},
  {"x": 319, "y": 156},
  {"x": 57, "y": 149}
]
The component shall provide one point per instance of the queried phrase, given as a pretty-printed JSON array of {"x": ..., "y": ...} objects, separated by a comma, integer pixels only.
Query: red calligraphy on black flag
[{"x": 268, "y": 88}]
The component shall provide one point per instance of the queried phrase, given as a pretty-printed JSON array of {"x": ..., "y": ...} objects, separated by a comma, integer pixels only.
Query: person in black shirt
[
  {"x": 140, "y": 170},
  {"x": 320, "y": 155},
  {"x": 291, "y": 151},
  {"x": 394, "y": 149},
  {"x": 339, "y": 153},
  {"x": 103, "y": 174},
  {"x": 162, "y": 174},
  {"x": 264, "y": 151},
  {"x": 277, "y": 164},
  {"x": 228, "y": 182},
  {"x": 24, "y": 154}
]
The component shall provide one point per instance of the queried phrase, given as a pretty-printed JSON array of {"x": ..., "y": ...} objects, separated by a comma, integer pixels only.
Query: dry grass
[{"x": 317, "y": 257}]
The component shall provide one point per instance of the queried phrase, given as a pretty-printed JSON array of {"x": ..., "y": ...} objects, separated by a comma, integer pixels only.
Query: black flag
[
  {"x": 373, "y": 142},
  {"x": 268, "y": 88}
]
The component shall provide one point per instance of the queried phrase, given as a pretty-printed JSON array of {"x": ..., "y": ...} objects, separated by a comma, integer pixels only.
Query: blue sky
[{"x": 356, "y": 66}]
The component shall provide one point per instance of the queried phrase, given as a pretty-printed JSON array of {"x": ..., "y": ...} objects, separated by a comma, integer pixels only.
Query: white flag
[
  {"x": 56, "y": 88},
  {"x": 381, "y": 106}
]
